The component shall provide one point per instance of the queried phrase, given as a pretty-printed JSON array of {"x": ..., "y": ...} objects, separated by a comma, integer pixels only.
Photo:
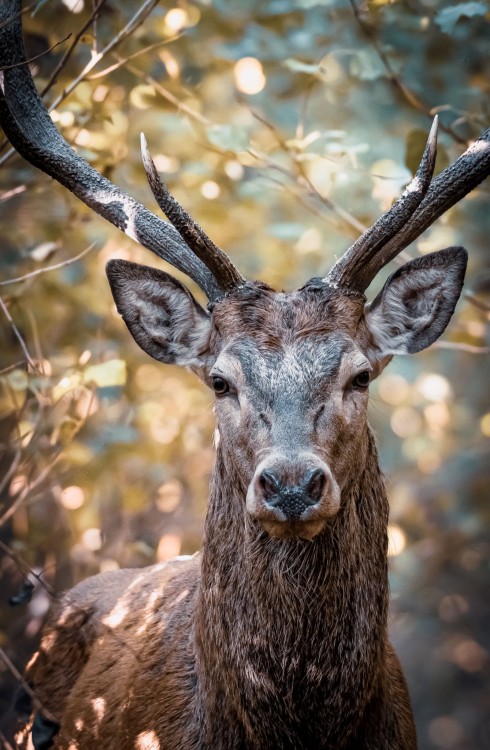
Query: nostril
[
  {"x": 269, "y": 483},
  {"x": 314, "y": 485}
]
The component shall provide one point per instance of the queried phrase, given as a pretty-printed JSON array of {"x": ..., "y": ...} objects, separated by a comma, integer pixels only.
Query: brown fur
[{"x": 260, "y": 641}]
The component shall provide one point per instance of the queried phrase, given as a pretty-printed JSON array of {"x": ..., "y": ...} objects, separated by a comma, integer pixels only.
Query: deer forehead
[
  {"x": 306, "y": 365},
  {"x": 273, "y": 319}
]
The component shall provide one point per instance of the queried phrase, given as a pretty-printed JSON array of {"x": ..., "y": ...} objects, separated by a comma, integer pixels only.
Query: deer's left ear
[{"x": 416, "y": 302}]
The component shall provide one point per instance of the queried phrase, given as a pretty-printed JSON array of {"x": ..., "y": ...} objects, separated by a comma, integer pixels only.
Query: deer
[{"x": 275, "y": 634}]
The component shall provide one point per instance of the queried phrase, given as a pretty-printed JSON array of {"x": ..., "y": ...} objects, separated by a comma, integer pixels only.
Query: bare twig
[
  {"x": 17, "y": 334},
  {"x": 395, "y": 79},
  {"x": 54, "y": 267},
  {"x": 300, "y": 176},
  {"x": 36, "y": 57},
  {"x": 13, "y": 366},
  {"x": 123, "y": 60},
  {"x": 459, "y": 346},
  {"x": 10, "y": 471},
  {"x": 15, "y": 672},
  {"x": 20, "y": 13},
  {"x": 54, "y": 75},
  {"x": 173, "y": 100},
  {"x": 134, "y": 22},
  {"x": 6, "y": 744},
  {"x": 27, "y": 489},
  {"x": 11, "y": 193},
  {"x": 27, "y": 571}
]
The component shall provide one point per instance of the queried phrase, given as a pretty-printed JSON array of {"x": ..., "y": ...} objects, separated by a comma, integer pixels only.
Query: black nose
[{"x": 292, "y": 500}]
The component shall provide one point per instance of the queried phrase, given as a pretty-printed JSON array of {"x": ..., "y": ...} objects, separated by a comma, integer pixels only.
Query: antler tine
[
  {"x": 31, "y": 131},
  {"x": 223, "y": 270},
  {"x": 362, "y": 261}
]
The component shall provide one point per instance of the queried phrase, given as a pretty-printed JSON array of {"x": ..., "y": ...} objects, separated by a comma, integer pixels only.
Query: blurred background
[{"x": 285, "y": 127}]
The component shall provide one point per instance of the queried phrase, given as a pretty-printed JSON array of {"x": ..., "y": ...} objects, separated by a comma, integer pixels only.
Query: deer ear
[
  {"x": 416, "y": 302},
  {"x": 162, "y": 315}
]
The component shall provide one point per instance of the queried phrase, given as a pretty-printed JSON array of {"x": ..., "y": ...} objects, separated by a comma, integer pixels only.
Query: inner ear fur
[
  {"x": 417, "y": 302},
  {"x": 161, "y": 314}
]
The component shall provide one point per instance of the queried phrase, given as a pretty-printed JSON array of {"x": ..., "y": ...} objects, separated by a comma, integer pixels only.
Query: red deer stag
[{"x": 275, "y": 636}]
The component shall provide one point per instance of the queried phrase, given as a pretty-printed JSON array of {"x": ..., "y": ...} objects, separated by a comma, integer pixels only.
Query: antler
[
  {"x": 31, "y": 131},
  {"x": 216, "y": 260},
  {"x": 421, "y": 204}
]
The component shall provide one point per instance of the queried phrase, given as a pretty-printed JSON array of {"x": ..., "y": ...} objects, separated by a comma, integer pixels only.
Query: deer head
[{"x": 290, "y": 371}]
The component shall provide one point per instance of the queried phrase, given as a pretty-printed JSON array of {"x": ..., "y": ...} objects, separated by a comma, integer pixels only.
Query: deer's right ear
[{"x": 162, "y": 315}]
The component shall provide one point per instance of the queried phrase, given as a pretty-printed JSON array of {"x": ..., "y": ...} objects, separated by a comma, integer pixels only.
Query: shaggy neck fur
[{"x": 291, "y": 633}]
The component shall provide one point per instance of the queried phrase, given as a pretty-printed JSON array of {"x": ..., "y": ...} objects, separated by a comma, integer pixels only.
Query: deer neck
[{"x": 289, "y": 627}]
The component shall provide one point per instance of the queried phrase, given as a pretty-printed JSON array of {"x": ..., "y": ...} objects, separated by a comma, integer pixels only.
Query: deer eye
[
  {"x": 361, "y": 380},
  {"x": 220, "y": 386}
]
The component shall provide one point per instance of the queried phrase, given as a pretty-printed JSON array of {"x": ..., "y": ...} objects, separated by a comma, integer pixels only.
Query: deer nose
[{"x": 292, "y": 499}]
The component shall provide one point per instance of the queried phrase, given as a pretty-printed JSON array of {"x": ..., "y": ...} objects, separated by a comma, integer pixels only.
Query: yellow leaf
[{"x": 106, "y": 374}]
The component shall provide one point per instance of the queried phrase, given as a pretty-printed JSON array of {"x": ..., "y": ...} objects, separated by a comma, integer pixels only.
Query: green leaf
[
  {"x": 301, "y": 67},
  {"x": 228, "y": 137},
  {"x": 447, "y": 18},
  {"x": 106, "y": 374},
  {"x": 367, "y": 66},
  {"x": 17, "y": 380}
]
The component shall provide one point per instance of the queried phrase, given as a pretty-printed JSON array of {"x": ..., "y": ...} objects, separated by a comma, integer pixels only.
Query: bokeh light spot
[
  {"x": 210, "y": 190},
  {"x": 176, "y": 19},
  {"x": 249, "y": 75},
  {"x": 446, "y": 732},
  {"x": 168, "y": 547},
  {"x": 397, "y": 540},
  {"x": 485, "y": 424},
  {"x": 92, "y": 539},
  {"x": 394, "y": 389},
  {"x": 234, "y": 170},
  {"x": 433, "y": 387},
  {"x": 406, "y": 422},
  {"x": 72, "y": 497}
]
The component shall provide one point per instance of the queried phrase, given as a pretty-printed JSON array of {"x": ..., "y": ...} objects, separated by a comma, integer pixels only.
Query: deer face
[{"x": 291, "y": 372}]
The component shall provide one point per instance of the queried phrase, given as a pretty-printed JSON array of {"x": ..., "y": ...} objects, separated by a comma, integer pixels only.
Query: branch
[
  {"x": 395, "y": 79},
  {"x": 55, "y": 267},
  {"x": 32, "y": 132},
  {"x": 459, "y": 346},
  {"x": 13, "y": 669},
  {"x": 54, "y": 75},
  {"x": 18, "y": 336}
]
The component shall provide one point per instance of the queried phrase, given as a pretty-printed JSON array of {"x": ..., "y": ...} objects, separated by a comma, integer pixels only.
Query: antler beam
[{"x": 31, "y": 131}]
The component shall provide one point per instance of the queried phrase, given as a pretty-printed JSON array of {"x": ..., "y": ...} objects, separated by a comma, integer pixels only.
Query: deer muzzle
[{"x": 293, "y": 495}]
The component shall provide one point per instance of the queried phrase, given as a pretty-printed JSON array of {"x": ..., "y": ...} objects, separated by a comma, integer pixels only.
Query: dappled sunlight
[
  {"x": 179, "y": 598},
  {"x": 99, "y": 706},
  {"x": 79, "y": 724},
  {"x": 48, "y": 641},
  {"x": 117, "y": 615},
  {"x": 147, "y": 741}
]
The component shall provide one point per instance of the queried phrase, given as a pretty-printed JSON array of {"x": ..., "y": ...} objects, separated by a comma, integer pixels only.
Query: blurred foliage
[{"x": 284, "y": 126}]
